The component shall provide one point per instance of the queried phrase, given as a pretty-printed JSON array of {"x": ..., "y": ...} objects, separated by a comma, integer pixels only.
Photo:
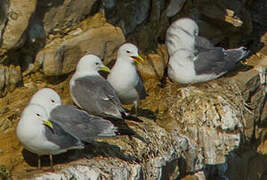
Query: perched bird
[
  {"x": 75, "y": 121},
  {"x": 125, "y": 78},
  {"x": 184, "y": 67},
  {"x": 91, "y": 92},
  {"x": 181, "y": 35},
  {"x": 43, "y": 137},
  {"x": 194, "y": 58}
]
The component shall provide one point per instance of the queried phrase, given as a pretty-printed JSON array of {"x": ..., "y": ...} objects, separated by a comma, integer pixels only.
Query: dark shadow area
[
  {"x": 124, "y": 129},
  {"x": 32, "y": 159},
  {"x": 91, "y": 150},
  {"x": 107, "y": 150},
  {"x": 56, "y": 79},
  {"x": 259, "y": 20},
  {"x": 143, "y": 113}
]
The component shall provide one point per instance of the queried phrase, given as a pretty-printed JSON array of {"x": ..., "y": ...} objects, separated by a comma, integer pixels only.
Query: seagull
[
  {"x": 184, "y": 67},
  {"x": 181, "y": 34},
  {"x": 194, "y": 58},
  {"x": 41, "y": 136},
  {"x": 75, "y": 121},
  {"x": 91, "y": 92},
  {"x": 125, "y": 78}
]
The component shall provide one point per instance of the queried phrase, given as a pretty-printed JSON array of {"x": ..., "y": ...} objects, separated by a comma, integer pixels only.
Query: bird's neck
[
  {"x": 124, "y": 63},
  {"x": 78, "y": 74}
]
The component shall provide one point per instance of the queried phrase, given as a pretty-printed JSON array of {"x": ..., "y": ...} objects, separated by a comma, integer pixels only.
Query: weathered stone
[
  {"x": 174, "y": 7},
  {"x": 127, "y": 14},
  {"x": 63, "y": 13},
  {"x": 14, "y": 74},
  {"x": 4, "y": 4},
  {"x": 154, "y": 65},
  {"x": 18, "y": 20},
  {"x": 226, "y": 16},
  {"x": 61, "y": 57}
]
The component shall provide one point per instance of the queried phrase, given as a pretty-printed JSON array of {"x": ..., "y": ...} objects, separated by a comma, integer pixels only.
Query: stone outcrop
[
  {"x": 210, "y": 130},
  {"x": 16, "y": 22},
  {"x": 61, "y": 55}
]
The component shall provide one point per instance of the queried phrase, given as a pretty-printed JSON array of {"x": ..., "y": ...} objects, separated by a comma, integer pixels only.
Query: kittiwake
[
  {"x": 185, "y": 67},
  {"x": 75, "y": 121},
  {"x": 194, "y": 58},
  {"x": 91, "y": 92},
  {"x": 44, "y": 137},
  {"x": 125, "y": 78}
]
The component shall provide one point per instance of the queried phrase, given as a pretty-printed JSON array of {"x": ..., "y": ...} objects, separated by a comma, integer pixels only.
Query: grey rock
[
  {"x": 19, "y": 14},
  {"x": 60, "y": 14},
  {"x": 174, "y": 7},
  {"x": 62, "y": 56}
]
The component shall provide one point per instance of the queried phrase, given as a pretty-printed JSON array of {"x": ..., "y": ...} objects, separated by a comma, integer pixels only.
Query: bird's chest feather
[{"x": 125, "y": 77}]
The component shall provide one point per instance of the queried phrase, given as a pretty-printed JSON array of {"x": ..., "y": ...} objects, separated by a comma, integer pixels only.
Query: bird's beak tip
[
  {"x": 105, "y": 69},
  {"x": 138, "y": 59}
]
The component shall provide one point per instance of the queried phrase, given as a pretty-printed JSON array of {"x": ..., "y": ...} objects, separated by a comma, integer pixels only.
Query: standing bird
[
  {"x": 75, "y": 121},
  {"x": 194, "y": 58},
  {"x": 91, "y": 92},
  {"x": 125, "y": 78},
  {"x": 43, "y": 137}
]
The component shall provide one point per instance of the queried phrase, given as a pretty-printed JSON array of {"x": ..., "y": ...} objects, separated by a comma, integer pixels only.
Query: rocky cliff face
[{"x": 211, "y": 130}]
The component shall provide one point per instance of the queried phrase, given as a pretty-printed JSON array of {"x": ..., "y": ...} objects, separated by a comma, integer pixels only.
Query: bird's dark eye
[
  {"x": 128, "y": 51},
  {"x": 52, "y": 100},
  {"x": 97, "y": 63},
  {"x": 38, "y": 115}
]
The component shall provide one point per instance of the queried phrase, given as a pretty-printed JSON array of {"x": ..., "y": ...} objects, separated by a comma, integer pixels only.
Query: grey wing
[
  {"x": 62, "y": 138},
  {"x": 202, "y": 43},
  {"x": 140, "y": 89},
  {"x": 236, "y": 54},
  {"x": 95, "y": 95},
  {"x": 81, "y": 124},
  {"x": 212, "y": 61}
]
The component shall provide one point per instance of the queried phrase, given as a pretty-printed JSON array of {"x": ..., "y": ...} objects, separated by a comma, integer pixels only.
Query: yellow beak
[
  {"x": 48, "y": 123},
  {"x": 138, "y": 59},
  {"x": 104, "y": 68}
]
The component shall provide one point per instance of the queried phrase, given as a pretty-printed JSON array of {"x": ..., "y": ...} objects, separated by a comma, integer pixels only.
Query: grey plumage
[
  {"x": 81, "y": 124},
  {"x": 194, "y": 58},
  {"x": 60, "y": 137},
  {"x": 95, "y": 95},
  {"x": 201, "y": 43},
  {"x": 140, "y": 88},
  {"x": 217, "y": 60}
]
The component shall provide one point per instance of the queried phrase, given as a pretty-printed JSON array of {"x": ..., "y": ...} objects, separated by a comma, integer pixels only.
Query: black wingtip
[{"x": 131, "y": 117}]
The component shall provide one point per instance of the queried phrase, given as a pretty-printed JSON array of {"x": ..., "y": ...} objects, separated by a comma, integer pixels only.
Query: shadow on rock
[
  {"x": 95, "y": 149},
  {"x": 32, "y": 159}
]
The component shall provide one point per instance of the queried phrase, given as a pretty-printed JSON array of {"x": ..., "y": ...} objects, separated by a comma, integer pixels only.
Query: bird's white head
[
  {"x": 34, "y": 113},
  {"x": 90, "y": 64},
  {"x": 188, "y": 25},
  {"x": 129, "y": 52},
  {"x": 47, "y": 98}
]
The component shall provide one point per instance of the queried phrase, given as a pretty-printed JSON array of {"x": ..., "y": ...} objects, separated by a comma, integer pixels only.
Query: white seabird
[
  {"x": 194, "y": 58},
  {"x": 181, "y": 34},
  {"x": 75, "y": 121},
  {"x": 43, "y": 137},
  {"x": 125, "y": 78},
  {"x": 91, "y": 92},
  {"x": 184, "y": 67}
]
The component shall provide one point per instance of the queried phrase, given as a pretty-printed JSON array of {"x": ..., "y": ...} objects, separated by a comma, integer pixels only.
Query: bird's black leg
[
  {"x": 39, "y": 162},
  {"x": 51, "y": 160}
]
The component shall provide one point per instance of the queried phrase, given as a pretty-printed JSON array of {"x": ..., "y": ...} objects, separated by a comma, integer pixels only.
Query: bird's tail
[
  {"x": 237, "y": 54},
  {"x": 106, "y": 128},
  {"x": 128, "y": 116}
]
